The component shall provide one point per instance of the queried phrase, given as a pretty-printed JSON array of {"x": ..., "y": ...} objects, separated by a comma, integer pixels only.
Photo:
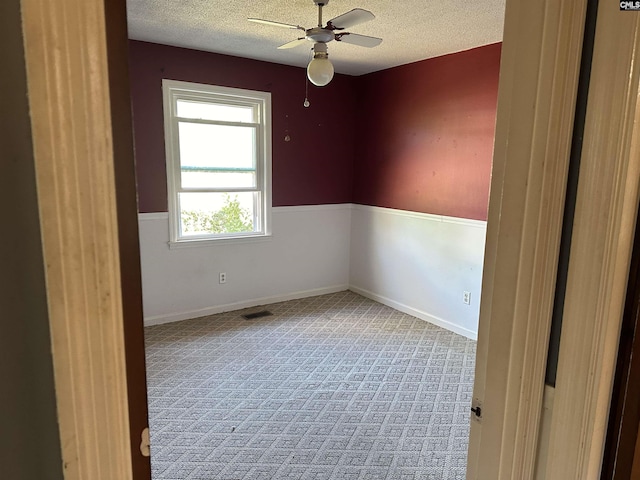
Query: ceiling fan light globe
[{"x": 320, "y": 71}]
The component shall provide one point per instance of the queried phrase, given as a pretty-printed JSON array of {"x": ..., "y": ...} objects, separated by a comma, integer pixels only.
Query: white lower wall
[
  {"x": 420, "y": 264},
  {"x": 417, "y": 263},
  {"x": 308, "y": 254}
]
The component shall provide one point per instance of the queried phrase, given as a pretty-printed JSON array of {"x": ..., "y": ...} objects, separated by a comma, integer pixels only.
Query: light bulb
[{"x": 320, "y": 70}]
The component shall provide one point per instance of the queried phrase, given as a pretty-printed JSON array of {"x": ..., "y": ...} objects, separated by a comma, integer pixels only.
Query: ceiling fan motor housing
[{"x": 321, "y": 35}]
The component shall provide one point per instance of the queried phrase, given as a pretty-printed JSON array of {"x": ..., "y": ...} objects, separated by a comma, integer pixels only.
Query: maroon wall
[
  {"x": 426, "y": 134},
  {"x": 419, "y": 137},
  {"x": 314, "y": 167}
]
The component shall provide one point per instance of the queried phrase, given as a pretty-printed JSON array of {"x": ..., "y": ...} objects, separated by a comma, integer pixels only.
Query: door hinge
[
  {"x": 476, "y": 410},
  {"x": 145, "y": 443}
]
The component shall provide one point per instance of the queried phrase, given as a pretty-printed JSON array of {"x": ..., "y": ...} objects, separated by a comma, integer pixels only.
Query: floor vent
[{"x": 252, "y": 316}]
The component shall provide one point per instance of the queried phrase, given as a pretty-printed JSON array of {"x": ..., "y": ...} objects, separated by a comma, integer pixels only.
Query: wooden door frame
[
  {"x": 128, "y": 240},
  {"x": 601, "y": 246},
  {"x": 78, "y": 86},
  {"x": 537, "y": 94},
  {"x": 521, "y": 257},
  {"x": 69, "y": 87},
  {"x": 624, "y": 415},
  {"x": 635, "y": 469}
]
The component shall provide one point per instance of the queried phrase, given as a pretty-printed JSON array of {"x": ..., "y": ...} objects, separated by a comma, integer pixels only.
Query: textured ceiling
[{"x": 412, "y": 30}]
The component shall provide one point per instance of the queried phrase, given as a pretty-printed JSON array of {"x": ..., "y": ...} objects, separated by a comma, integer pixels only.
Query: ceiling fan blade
[
  {"x": 276, "y": 24},
  {"x": 349, "y": 19},
  {"x": 293, "y": 44},
  {"x": 361, "y": 40}
]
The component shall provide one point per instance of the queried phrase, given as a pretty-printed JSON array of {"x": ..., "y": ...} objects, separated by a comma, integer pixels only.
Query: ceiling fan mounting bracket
[
  {"x": 321, "y": 3},
  {"x": 318, "y": 34}
]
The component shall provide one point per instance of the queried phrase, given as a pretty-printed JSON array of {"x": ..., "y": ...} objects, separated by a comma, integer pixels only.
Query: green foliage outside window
[{"x": 231, "y": 218}]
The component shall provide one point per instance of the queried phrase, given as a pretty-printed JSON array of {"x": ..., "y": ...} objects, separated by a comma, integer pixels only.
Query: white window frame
[{"x": 173, "y": 91}]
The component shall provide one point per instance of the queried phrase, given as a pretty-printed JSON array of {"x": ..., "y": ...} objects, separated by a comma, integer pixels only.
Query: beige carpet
[{"x": 330, "y": 387}]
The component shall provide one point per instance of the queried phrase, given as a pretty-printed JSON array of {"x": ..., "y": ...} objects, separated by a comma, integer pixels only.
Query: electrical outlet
[
  {"x": 223, "y": 277},
  {"x": 466, "y": 297}
]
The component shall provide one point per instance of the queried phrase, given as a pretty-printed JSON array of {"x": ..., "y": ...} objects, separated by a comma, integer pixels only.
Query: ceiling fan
[{"x": 320, "y": 70}]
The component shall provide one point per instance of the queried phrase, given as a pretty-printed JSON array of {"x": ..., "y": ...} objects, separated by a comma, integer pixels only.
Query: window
[{"x": 218, "y": 145}]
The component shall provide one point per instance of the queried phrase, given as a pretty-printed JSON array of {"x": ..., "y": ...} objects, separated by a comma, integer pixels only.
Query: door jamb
[
  {"x": 601, "y": 246},
  {"x": 69, "y": 98},
  {"x": 536, "y": 103}
]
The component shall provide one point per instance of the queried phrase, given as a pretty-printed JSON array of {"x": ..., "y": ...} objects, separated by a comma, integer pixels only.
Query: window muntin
[{"x": 218, "y": 161}]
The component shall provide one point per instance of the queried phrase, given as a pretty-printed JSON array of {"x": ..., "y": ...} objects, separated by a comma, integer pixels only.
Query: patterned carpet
[{"x": 335, "y": 387}]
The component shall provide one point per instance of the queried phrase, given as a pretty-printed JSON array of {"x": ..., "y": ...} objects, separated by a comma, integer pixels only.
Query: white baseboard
[
  {"x": 176, "y": 317},
  {"x": 203, "y": 312},
  {"x": 440, "y": 322}
]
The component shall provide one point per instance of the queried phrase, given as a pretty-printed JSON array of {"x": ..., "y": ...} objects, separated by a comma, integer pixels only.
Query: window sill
[{"x": 211, "y": 242}]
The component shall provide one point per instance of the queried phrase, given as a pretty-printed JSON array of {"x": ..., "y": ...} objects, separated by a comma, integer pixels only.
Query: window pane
[
  {"x": 217, "y": 146},
  {"x": 216, "y": 111},
  {"x": 204, "y": 178},
  {"x": 218, "y": 213}
]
